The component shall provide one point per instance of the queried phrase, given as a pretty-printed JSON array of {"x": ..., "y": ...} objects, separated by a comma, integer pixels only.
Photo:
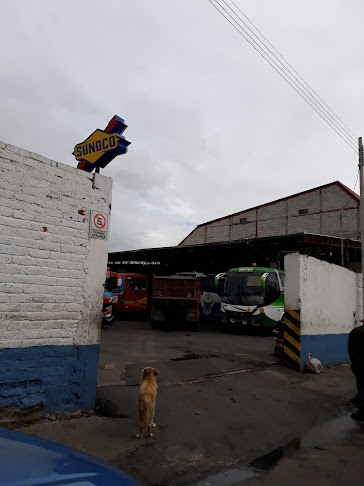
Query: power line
[
  {"x": 293, "y": 69},
  {"x": 357, "y": 177},
  {"x": 283, "y": 74},
  {"x": 288, "y": 71}
]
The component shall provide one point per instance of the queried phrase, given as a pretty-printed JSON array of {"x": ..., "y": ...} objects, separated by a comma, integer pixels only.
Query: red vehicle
[
  {"x": 176, "y": 297},
  {"x": 129, "y": 290}
]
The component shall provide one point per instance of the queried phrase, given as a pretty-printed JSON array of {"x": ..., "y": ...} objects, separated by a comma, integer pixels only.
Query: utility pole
[{"x": 361, "y": 173}]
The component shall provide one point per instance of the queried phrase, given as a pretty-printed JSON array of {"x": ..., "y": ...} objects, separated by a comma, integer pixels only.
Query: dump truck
[{"x": 174, "y": 299}]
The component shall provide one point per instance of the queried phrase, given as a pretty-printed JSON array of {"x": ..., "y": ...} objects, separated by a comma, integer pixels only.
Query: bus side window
[{"x": 272, "y": 291}]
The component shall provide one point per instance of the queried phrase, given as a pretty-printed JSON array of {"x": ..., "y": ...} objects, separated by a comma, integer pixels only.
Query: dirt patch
[
  {"x": 106, "y": 408},
  {"x": 11, "y": 417}
]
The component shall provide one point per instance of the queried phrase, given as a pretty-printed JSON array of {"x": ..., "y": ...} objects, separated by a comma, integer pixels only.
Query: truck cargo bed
[{"x": 175, "y": 287}]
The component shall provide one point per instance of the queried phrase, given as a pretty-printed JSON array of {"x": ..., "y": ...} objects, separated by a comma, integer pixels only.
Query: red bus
[{"x": 130, "y": 291}]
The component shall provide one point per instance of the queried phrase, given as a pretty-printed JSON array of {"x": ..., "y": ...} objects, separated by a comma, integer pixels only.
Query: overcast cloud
[{"x": 213, "y": 128}]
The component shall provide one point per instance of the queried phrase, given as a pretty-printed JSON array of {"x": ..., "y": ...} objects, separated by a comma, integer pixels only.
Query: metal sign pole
[{"x": 361, "y": 173}]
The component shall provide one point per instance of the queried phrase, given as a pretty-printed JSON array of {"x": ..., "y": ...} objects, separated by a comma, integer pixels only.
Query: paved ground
[
  {"x": 134, "y": 343},
  {"x": 218, "y": 414}
]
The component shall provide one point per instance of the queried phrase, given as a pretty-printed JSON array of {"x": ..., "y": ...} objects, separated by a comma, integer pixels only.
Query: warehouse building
[
  {"x": 323, "y": 222},
  {"x": 316, "y": 211}
]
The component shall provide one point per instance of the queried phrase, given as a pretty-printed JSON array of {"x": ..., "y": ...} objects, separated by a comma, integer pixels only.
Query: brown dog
[{"x": 146, "y": 401}]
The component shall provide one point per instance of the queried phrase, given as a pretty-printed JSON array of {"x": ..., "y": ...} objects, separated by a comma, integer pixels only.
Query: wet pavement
[
  {"x": 342, "y": 430},
  {"x": 125, "y": 344},
  {"x": 227, "y": 412}
]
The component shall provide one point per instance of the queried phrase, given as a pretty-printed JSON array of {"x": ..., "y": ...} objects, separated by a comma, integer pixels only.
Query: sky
[{"x": 213, "y": 128}]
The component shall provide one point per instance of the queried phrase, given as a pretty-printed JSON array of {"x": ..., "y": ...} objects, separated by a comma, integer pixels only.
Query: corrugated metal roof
[{"x": 232, "y": 242}]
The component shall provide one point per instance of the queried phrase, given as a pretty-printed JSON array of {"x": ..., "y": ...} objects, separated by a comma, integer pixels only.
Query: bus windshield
[{"x": 243, "y": 288}]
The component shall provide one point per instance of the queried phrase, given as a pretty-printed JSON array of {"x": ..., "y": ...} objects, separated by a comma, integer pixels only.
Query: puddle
[
  {"x": 268, "y": 461},
  {"x": 336, "y": 431},
  {"x": 194, "y": 356},
  {"x": 252, "y": 470},
  {"x": 229, "y": 477}
]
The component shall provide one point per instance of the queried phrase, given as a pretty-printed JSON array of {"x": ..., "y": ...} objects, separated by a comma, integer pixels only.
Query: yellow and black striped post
[{"x": 292, "y": 346}]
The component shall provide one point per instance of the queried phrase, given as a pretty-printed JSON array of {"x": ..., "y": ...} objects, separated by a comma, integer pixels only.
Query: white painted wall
[
  {"x": 359, "y": 299},
  {"x": 52, "y": 272},
  {"x": 292, "y": 299},
  {"x": 328, "y": 299},
  {"x": 328, "y": 296}
]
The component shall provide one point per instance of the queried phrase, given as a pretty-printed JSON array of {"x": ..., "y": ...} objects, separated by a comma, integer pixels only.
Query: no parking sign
[{"x": 98, "y": 225}]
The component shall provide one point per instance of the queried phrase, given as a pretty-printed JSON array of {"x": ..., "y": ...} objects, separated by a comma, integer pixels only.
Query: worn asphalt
[{"x": 229, "y": 414}]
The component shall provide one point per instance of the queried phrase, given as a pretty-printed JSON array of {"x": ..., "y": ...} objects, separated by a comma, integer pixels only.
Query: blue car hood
[{"x": 26, "y": 460}]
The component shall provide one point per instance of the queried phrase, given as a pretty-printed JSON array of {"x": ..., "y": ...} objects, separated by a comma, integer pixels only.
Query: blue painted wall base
[
  {"x": 330, "y": 349},
  {"x": 62, "y": 378}
]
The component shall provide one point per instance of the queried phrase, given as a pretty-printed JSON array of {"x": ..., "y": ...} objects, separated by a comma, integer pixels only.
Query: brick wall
[
  {"x": 218, "y": 232},
  {"x": 283, "y": 217},
  {"x": 197, "y": 236},
  {"x": 52, "y": 273}
]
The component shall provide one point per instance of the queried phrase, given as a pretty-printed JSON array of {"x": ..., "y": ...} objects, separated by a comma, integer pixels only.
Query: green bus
[{"x": 253, "y": 296}]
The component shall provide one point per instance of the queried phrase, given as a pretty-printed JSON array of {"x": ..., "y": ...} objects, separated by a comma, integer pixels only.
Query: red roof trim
[{"x": 349, "y": 192}]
